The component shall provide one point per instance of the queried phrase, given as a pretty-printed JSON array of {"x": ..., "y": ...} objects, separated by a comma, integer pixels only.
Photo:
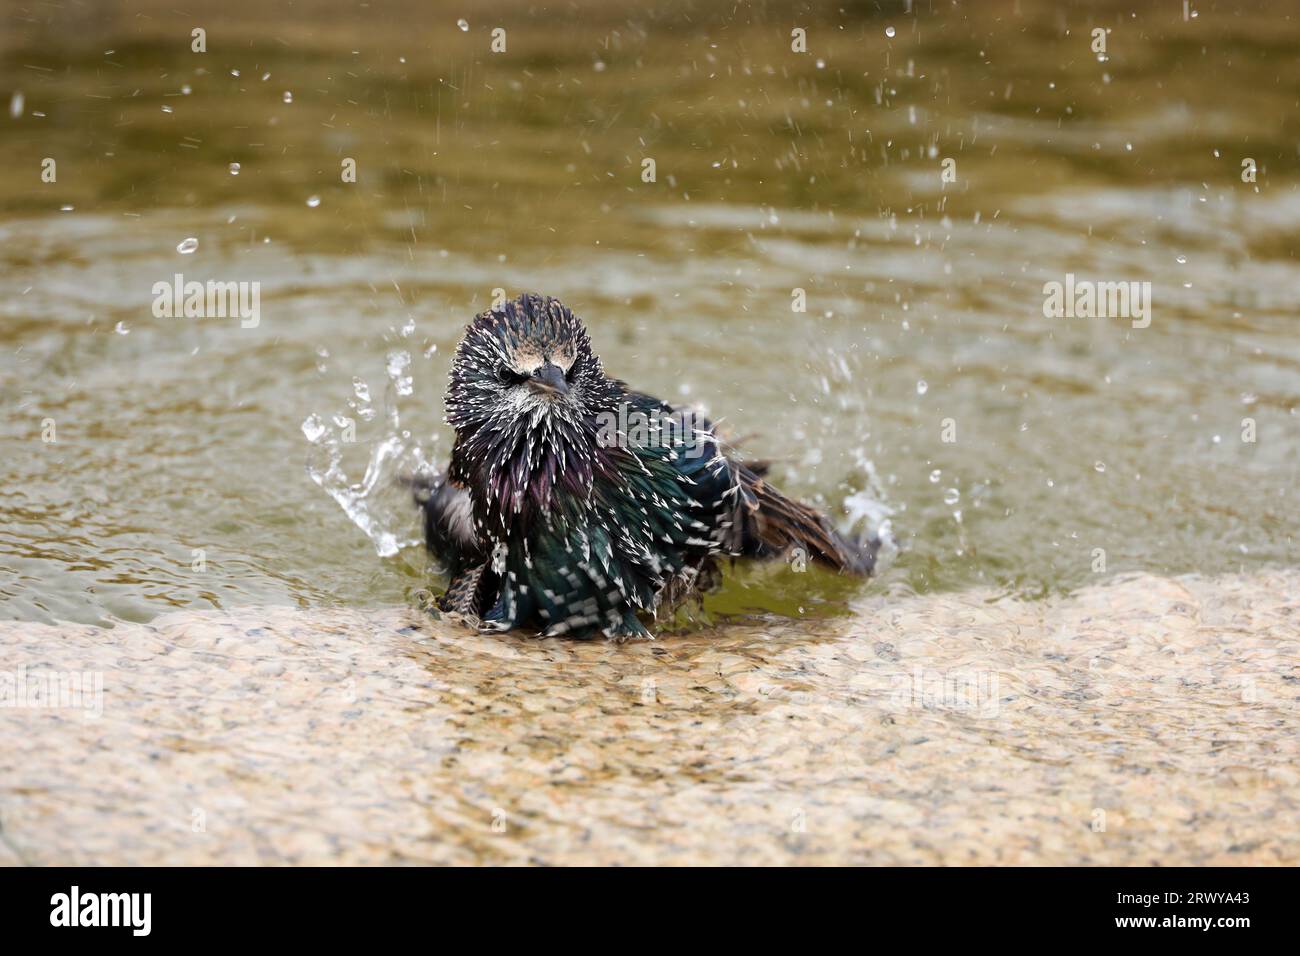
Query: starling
[{"x": 574, "y": 505}]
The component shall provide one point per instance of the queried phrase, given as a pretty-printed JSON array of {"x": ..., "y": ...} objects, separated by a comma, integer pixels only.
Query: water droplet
[
  {"x": 313, "y": 201},
  {"x": 234, "y": 169},
  {"x": 1182, "y": 260},
  {"x": 361, "y": 389},
  {"x": 1099, "y": 465},
  {"x": 922, "y": 387},
  {"x": 185, "y": 90},
  {"x": 821, "y": 64},
  {"x": 313, "y": 428},
  {"x": 935, "y": 476},
  {"x": 889, "y": 31},
  {"x": 951, "y": 496},
  {"x": 166, "y": 109},
  {"x": 288, "y": 96},
  {"x": 187, "y": 246},
  {"x": 16, "y": 105},
  {"x": 121, "y": 329},
  {"x": 463, "y": 24},
  {"x": 399, "y": 362}
]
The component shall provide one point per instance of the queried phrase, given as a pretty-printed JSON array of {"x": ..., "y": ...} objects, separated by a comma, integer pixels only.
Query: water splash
[
  {"x": 361, "y": 402},
  {"x": 870, "y": 515},
  {"x": 399, "y": 371},
  {"x": 380, "y": 503}
]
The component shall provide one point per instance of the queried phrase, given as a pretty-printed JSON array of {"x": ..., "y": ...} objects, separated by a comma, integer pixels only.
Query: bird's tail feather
[{"x": 772, "y": 525}]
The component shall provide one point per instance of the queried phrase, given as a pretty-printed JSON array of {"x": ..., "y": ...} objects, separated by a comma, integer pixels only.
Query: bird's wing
[
  {"x": 449, "y": 530},
  {"x": 761, "y": 522}
]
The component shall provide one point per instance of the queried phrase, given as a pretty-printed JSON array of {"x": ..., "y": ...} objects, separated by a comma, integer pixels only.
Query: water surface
[{"x": 178, "y": 478}]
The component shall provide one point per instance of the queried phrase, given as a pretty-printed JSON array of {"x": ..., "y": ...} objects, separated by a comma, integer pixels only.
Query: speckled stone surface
[{"x": 1144, "y": 721}]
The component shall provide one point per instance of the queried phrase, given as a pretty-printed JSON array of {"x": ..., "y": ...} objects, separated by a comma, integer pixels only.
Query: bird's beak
[{"x": 549, "y": 380}]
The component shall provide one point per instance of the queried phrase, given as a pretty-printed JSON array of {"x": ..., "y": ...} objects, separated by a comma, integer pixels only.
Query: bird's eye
[{"x": 508, "y": 376}]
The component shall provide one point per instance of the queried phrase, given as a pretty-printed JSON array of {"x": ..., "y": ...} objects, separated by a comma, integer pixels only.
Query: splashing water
[
  {"x": 870, "y": 515},
  {"x": 380, "y": 504},
  {"x": 399, "y": 371}
]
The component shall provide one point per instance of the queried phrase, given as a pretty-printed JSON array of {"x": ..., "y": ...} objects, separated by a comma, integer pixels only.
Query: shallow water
[
  {"x": 1150, "y": 721},
  {"x": 775, "y": 170},
  {"x": 180, "y": 481}
]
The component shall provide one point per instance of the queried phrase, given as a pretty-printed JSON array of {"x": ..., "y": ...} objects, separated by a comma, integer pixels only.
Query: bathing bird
[{"x": 575, "y": 505}]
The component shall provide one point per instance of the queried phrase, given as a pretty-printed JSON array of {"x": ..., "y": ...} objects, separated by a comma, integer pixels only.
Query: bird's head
[
  {"x": 530, "y": 359},
  {"x": 525, "y": 392}
]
